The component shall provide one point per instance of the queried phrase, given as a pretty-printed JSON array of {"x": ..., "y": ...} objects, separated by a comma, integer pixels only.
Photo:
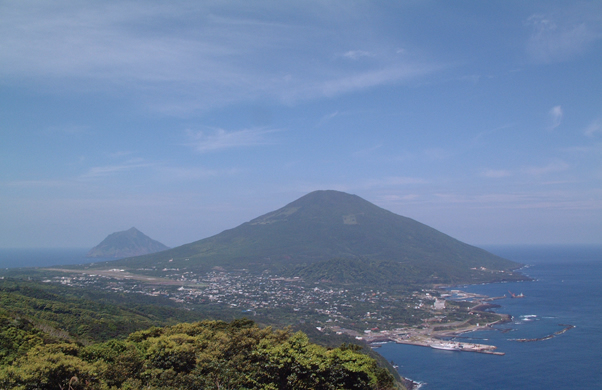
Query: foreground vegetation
[
  {"x": 59, "y": 337},
  {"x": 203, "y": 355}
]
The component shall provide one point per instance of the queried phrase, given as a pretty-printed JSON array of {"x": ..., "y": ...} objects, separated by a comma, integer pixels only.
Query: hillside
[
  {"x": 131, "y": 242},
  {"x": 35, "y": 313},
  {"x": 200, "y": 355},
  {"x": 326, "y": 225}
]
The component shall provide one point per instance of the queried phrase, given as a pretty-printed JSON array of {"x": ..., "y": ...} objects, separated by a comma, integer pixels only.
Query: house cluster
[{"x": 267, "y": 294}]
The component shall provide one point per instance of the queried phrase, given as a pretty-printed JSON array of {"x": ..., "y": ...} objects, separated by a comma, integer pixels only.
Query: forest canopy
[{"x": 200, "y": 355}]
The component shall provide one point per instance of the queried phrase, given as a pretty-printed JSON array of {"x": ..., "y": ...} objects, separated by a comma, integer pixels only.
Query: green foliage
[
  {"x": 54, "y": 366},
  {"x": 17, "y": 336},
  {"x": 206, "y": 355},
  {"x": 298, "y": 364},
  {"x": 86, "y": 315},
  {"x": 361, "y": 272}
]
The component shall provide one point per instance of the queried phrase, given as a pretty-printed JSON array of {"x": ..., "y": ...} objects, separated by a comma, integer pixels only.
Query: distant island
[
  {"x": 332, "y": 265},
  {"x": 338, "y": 237},
  {"x": 328, "y": 263},
  {"x": 128, "y": 243}
]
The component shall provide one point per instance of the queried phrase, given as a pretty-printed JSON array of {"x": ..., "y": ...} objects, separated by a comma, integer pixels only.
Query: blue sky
[{"x": 183, "y": 119}]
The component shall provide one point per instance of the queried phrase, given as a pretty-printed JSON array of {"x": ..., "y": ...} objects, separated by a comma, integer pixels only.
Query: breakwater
[{"x": 548, "y": 337}]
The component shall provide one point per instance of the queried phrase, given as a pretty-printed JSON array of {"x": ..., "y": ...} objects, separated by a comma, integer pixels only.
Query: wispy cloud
[
  {"x": 396, "y": 198},
  {"x": 561, "y": 37},
  {"x": 496, "y": 173},
  {"x": 221, "y": 139},
  {"x": 393, "y": 181},
  {"x": 361, "y": 80},
  {"x": 356, "y": 54},
  {"x": 473, "y": 78},
  {"x": 39, "y": 183},
  {"x": 593, "y": 128},
  {"x": 590, "y": 148},
  {"x": 327, "y": 118},
  {"x": 195, "y": 173},
  {"x": 208, "y": 61},
  {"x": 120, "y": 153},
  {"x": 108, "y": 170},
  {"x": 367, "y": 151},
  {"x": 569, "y": 200},
  {"x": 486, "y": 133},
  {"x": 556, "y": 166},
  {"x": 555, "y": 114},
  {"x": 68, "y": 130},
  {"x": 438, "y": 153}
]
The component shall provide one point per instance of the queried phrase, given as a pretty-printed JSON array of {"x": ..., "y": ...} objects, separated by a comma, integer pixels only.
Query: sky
[{"x": 186, "y": 118}]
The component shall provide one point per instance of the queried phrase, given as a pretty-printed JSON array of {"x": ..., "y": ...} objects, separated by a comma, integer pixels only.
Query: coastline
[
  {"x": 566, "y": 292},
  {"x": 431, "y": 337}
]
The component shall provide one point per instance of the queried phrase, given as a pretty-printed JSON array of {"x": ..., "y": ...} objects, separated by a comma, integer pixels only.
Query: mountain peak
[
  {"x": 326, "y": 225},
  {"x": 326, "y": 197},
  {"x": 328, "y": 206}
]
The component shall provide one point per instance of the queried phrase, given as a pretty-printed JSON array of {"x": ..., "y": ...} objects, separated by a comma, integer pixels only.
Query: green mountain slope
[
  {"x": 200, "y": 355},
  {"x": 131, "y": 242},
  {"x": 326, "y": 225}
]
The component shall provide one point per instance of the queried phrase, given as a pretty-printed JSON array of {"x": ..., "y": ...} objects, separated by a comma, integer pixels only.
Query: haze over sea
[
  {"x": 43, "y": 257},
  {"x": 566, "y": 290}
]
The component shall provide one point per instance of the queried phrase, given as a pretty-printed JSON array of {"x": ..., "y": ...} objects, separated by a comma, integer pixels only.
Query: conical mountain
[
  {"x": 131, "y": 242},
  {"x": 326, "y": 225}
]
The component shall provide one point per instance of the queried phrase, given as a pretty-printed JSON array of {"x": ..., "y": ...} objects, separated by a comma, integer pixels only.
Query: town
[{"x": 374, "y": 315}]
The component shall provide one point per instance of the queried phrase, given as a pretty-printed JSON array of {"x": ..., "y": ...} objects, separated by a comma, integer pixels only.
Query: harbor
[
  {"x": 441, "y": 336},
  {"x": 420, "y": 338},
  {"x": 451, "y": 345}
]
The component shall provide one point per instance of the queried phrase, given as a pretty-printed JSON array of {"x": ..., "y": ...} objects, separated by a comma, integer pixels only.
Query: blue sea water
[
  {"x": 567, "y": 290},
  {"x": 42, "y": 257}
]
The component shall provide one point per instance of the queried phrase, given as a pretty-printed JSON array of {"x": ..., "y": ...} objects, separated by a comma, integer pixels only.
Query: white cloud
[
  {"x": 590, "y": 148},
  {"x": 570, "y": 200},
  {"x": 183, "y": 57},
  {"x": 394, "y": 198},
  {"x": 107, "y": 170},
  {"x": 438, "y": 153},
  {"x": 120, "y": 153},
  {"x": 496, "y": 173},
  {"x": 555, "y": 115},
  {"x": 194, "y": 173},
  {"x": 68, "y": 129},
  {"x": 393, "y": 181},
  {"x": 556, "y": 166},
  {"x": 39, "y": 183},
  {"x": 367, "y": 151},
  {"x": 356, "y": 54},
  {"x": 395, "y": 73},
  {"x": 328, "y": 118},
  {"x": 221, "y": 139},
  {"x": 593, "y": 128},
  {"x": 487, "y": 133},
  {"x": 473, "y": 78},
  {"x": 562, "y": 37}
]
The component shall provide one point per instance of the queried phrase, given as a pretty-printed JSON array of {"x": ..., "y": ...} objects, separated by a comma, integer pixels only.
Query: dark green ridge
[{"x": 326, "y": 225}]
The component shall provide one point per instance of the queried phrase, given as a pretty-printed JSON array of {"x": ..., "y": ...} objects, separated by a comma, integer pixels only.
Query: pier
[{"x": 450, "y": 345}]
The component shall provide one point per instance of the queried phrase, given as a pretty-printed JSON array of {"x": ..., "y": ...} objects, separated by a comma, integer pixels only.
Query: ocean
[
  {"x": 567, "y": 290},
  {"x": 42, "y": 257}
]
